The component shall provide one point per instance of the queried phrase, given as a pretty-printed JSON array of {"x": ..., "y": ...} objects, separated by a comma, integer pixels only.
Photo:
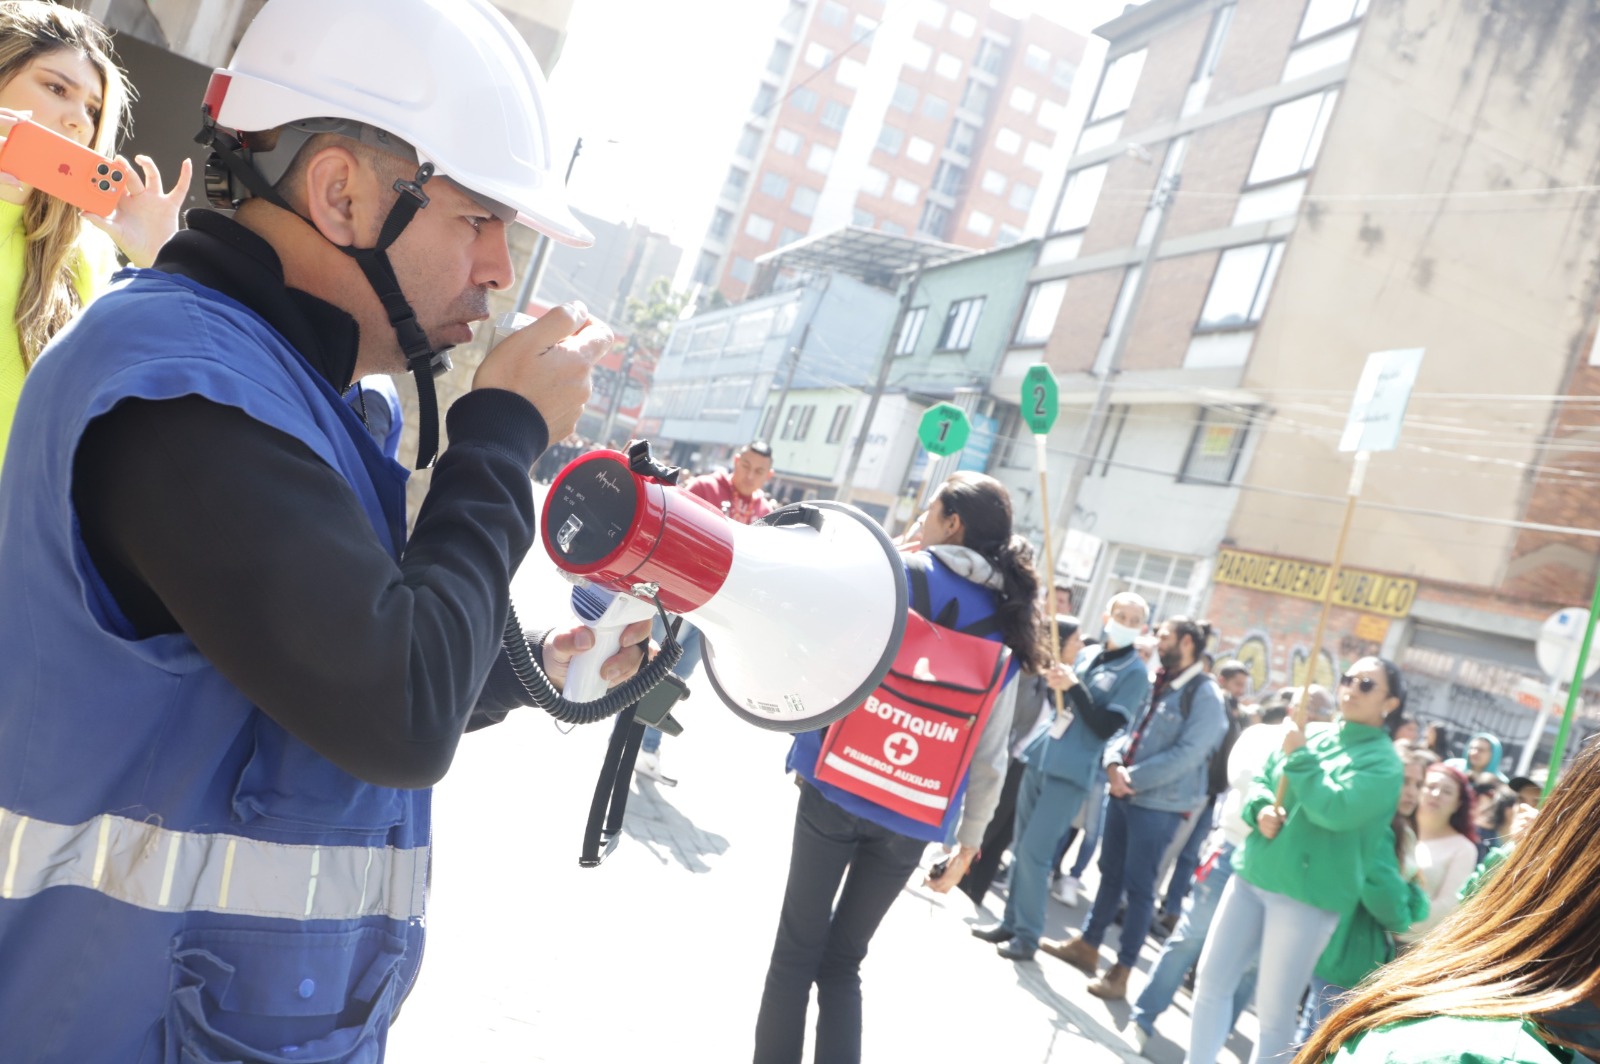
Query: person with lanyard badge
[
  {"x": 245, "y": 676},
  {"x": 1303, "y": 864},
  {"x": 1108, "y": 687},
  {"x": 739, "y": 496},
  {"x": 1512, "y": 977},
  {"x": 57, "y": 70},
  {"x": 1158, "y": 768},
  {"x": 851, "y": 855}
]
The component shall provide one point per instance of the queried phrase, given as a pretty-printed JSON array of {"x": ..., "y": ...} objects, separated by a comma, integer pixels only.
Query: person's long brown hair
[
  {"x": 49, "y": 297},
  {"x": 1525, "y": 944},
  {"x": 984, "y": 506}
]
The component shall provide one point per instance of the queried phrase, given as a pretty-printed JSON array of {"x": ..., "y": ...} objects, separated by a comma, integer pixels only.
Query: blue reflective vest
[
  {"x": 180, "y": 878},
  {"x": 974, "y": 603}
]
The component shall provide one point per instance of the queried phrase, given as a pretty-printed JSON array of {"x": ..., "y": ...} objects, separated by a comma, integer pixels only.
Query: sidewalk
[{"x": 660, "y": 953}]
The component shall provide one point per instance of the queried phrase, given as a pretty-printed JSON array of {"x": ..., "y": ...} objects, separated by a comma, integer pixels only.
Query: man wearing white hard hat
[{"x": 230, "y": 681}]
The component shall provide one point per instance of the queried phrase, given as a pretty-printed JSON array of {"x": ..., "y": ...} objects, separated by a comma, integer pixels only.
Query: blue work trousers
[
  {"x": 1044, "y": 805},
  {"x": 1131, "y": 844}
]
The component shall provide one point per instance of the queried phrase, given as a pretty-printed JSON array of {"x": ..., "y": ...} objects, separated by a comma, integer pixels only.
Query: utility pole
[
  {"x": 541, "y": 248},
  {"x": 847, "y": 485},
  {"x": 1162, "y": 202},
  {"x": 788, "y": 380}
]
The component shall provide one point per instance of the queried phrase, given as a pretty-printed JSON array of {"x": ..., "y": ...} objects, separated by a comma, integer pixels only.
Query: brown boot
[
  {"x": 1113, "y": 986},
  {"x": 1076, "y": 952}
]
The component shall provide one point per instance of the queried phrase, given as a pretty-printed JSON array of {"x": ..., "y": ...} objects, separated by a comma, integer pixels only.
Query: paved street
[{"x": 660, "y": 953}]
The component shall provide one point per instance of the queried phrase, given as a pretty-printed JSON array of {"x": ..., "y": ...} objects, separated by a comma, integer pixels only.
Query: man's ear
[{"x": 335, "y": 186}]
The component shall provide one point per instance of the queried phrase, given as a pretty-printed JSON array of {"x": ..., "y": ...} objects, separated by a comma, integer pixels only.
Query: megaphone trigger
[{"x": 608, "y": 613}]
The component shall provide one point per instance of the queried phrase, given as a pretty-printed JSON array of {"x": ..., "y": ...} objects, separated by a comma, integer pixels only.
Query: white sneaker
[
  {"x": 648, "y": 765},
  {"x": 1141, "y": 1037},
  {"x": 1066, "y": 890}
]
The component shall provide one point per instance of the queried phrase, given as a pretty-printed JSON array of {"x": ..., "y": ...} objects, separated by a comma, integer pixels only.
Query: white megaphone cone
[{"x": 802, "y": 613}]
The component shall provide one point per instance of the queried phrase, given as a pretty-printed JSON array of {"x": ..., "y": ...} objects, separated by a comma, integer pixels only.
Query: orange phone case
[{"x": 63, "y": 168}]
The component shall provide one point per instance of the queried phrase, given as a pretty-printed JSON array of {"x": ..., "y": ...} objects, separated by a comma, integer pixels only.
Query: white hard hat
[{"x": 451, "y": 78}]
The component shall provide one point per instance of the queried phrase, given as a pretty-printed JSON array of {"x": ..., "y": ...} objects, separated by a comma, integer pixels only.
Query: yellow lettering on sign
[{"x": 1389, "y": 596}]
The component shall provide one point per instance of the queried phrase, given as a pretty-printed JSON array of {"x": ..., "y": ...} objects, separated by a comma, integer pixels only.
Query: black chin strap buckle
[{"x": 642, "y": 462}]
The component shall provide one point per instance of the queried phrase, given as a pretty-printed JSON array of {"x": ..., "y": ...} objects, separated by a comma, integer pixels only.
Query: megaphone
[{"x": 801, "y": 613}]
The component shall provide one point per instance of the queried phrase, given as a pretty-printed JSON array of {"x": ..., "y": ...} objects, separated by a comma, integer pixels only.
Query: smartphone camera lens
[
  {"x": 102, "y": 169},
  {"x": 116, "y": 175},
  {"x": 105, "y": 186}
]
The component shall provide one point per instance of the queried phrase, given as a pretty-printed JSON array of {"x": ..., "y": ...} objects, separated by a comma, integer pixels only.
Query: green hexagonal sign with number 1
[
  {"x": 1041, "y": 401},
  {"x": 944, "y": 429}
]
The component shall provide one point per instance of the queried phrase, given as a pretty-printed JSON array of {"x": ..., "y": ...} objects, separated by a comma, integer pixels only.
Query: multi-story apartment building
[
  {"x": 1306, "y": 182},
  {"x": 928, "y": 117}
]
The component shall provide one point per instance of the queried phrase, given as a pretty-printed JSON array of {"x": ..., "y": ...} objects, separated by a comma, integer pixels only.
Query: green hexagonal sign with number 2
[
  {"x": 944, "y": 429},
  {"x": 1041, "y": 401}
]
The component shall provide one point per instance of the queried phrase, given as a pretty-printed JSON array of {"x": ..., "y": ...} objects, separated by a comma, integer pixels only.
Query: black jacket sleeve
[
  {"x": 1102, "y": 722},
  {"x": 201, "y": 519}
]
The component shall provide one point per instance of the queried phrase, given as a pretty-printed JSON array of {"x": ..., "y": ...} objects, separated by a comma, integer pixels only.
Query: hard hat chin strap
[
  {"x": 421, "y": 359},
  {"x": 229, "y": 160}
]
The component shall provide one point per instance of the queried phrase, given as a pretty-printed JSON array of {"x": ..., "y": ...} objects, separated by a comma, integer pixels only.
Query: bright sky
[{"x": 671, "y": 83}]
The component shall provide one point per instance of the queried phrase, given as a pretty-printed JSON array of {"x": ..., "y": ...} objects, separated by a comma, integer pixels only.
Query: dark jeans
[
  {"x": 980, "y": 874},
  {"x": 823, "y": 943},
  {"x": 1131, "y": 846}
]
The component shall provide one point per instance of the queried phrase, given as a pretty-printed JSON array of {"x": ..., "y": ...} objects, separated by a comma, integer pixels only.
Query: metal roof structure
[{"x": 866, "y": 254}]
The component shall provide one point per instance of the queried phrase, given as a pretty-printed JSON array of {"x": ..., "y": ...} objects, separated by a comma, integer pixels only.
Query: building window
[
  {"x": 848, "y": 73},
  {"x": 758, "y": 227},
  {"x": 1293, "y": 134},
  {"x": 804, "y": 99},
  {"x": 1163, "y": 580},
  {"x": 874, "y": 182},
  {"x": 1023, "y": 100},
  {"x": 1007, "y": 140},
  {"x": 765, "y": 431},
  {"x": 1021, "y": 196},
  {"x": 890, "y": 139},
  {"x": 820, "y": 159},
  {"x": 742, "y": 270},
  {"x": 992, "y": 56},
  {"x": 918, "y": 55},
  {"x": 947, "y": 66},
  {"x": 994, "y": 182},
  {"x": 733, "y": 184},
  {"x": 904, "y": 98},
  {"x": 791, "y": 418},
  {"x": 950, "y": 178},
  {"x": 1062, "y": 73},
  {"x": 963, "y": 24},
  {"x": 890, "y": 227},
  {"x": 788, "y": 141},
  {"x": 778, "y": 61},
  {"x": 774, "y": 185},
  {"x": 1007, "y": 235},
  {"x": 804, "y": 202},
  {"x": 1040, "y": 310},
  {"x": 963, "y": 138},
  {"x": 705, "y": 270},
  {"x": 1325, "y": 15},
  {"x": 789, "y": 236},
  {"x": 980, "y": 223},
  {"x": 1214, "y": 449},
  {"x": 721, "y": 223},
  {"x": 906, "y": 191},
  {"x": 960, "y": 322},
  {"x": 1240, "y": 287},
  {"x": 934, "y": 108},
  {"x": 932, "y": 13},
  {"x": 910, "y": 330},
  {"x": 975, "y": 98},
  {"x": 817, "y": 55},
  {"x": 1078, "y": 200},
  {"x": 841, "y": 421},
  {"x": 832, "y": 13},
  {"x": 1036, "y": 59},
  {"x": 861, "y": 219},
  {"x": 766, "y": 96},
  {"x": 935, "y": 220},
  {"x": 834, "y": 114},
  {"x": 802, "y": 428},
  {"x": 1121, "y": 77},
  {"x": 749, "y": 143},
  {"x": 919, "y": 150}
]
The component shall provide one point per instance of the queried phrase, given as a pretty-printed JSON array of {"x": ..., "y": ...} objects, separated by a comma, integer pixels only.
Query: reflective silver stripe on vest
[{"x": 176, "y": 871}]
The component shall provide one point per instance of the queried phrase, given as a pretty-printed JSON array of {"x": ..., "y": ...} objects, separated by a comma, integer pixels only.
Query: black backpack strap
[{"x": 921, "y": 598}]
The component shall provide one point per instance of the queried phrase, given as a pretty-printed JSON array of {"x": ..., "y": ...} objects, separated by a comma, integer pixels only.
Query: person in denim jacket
[{"x": 1158, "y": 768}]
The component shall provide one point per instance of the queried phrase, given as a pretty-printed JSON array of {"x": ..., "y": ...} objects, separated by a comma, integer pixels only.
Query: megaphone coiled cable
[{"x": 542, "y": 693}]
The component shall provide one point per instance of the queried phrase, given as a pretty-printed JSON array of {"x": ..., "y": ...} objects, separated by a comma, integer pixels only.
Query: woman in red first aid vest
[{"x": 974, "y": 570}]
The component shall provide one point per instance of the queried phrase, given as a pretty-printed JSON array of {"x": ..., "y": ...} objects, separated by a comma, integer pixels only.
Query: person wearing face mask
[
  {"x": 1302, "y": 865},
  {"x": 1101, "y": 695},
  {"x": 1512, "y": 978},
  {"x": 1157, "y": 770}
]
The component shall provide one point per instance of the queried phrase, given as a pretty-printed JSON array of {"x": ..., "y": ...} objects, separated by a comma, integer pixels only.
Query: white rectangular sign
[{"x": 1379, "y": 407}]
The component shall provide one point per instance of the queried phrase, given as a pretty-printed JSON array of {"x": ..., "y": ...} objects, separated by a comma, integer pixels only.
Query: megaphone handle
[{"x": 584, "y": 682}]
